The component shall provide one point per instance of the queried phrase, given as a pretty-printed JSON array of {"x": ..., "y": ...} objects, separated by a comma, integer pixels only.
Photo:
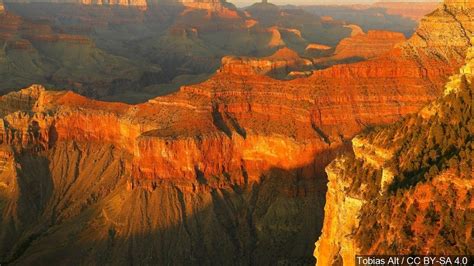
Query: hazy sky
[{"x": 326, "y": 2}]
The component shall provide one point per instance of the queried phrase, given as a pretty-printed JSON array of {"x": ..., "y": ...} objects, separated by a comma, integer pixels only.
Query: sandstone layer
[
  {"x": 141, "y": 4},
  {"x": 227, "y": 171},
  {"x": 419, "y": 200},
  {"x": 363, "y": 46},
  {"x": 134, "y": 56},
  {"x": 282, "y": 61},
  {"x": 214, "y": 5}
]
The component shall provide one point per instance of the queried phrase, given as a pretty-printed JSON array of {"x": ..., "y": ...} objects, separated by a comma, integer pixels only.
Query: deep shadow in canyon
[{"x": 86, "y": 215}]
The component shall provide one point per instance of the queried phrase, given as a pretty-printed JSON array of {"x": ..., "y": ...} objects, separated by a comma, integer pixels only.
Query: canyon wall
[
  {"x": 230, "y": 170},
  {"x": 380, "y": 202},
  {"x": 214, "y": 5},
  {"x": 282, "y": 62}
]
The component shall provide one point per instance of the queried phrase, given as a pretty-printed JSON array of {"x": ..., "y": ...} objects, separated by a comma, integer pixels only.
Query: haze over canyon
[{"x": 194, "y": 132}]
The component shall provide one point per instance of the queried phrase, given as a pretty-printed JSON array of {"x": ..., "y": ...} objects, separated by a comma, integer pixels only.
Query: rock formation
[
  {"x": 414, "y": 190},
  {"x": 315, "y": 46},
  {"x": 316, "y": 50},
  {"x": 165, "y": 47},
  {"x": 36, "y": 52},
  {"x": 141, "y": 4},
  {"x": 226, "y": 171},
  {"x": 211, "y": 5},
  {"x": 461, "y": 4},
  {"x": 426, "y": 194},
  {"x": 413, "y": 10},
  {"x": 364, "y": 46},
  {"x": 281, "y": 62}
]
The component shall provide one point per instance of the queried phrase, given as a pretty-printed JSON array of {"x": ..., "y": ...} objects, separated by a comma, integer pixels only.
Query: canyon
[
  {"x": 230, "y": 170},
  {"x": 406, "y": 188},
  {"x": 389, "y": 16},
  {"x": 414, "y": 11},
  {"x": 36, "y": 52},
  {"x": 132, "y": 54}
]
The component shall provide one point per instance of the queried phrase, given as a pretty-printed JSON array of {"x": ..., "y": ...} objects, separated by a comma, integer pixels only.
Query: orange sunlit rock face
[
  {"x": 388, "y": 151},
  {"x": 282, "y": 60},
  {"x": 237, "y": 159},
  {"x": 212, "y": 123},
  {"x": 229, "y": 120},
  {"x": 364, "y": 46},
  {"x": 351, "y": 208}
]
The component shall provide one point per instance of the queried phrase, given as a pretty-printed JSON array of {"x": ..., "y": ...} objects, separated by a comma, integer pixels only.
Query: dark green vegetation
[{"x": 428, "y": 208}]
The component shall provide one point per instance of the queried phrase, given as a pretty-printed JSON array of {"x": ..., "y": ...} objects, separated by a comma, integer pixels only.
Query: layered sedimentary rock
[
  {"x": 320, "y": 47},
  {"x": 364, "y": 46},
  {"x": 318, "y": 50},
  {"x": 182, "y": 150},
  {"x": 170, "y": 44},
  {"x": 142, "y": 4},
  {"x": 336, "y": 243},
  {"x": 422, "y": 200},
  {"x": 35, "y": 52},
  {"x": 462, "y": 4},
  {"x": 281, "y": 62},
  {"x": 356, "y": 185},
  {"x": 226, "y": 171},
  {"x": 454, "y": 26},
  {"x": 422, "y": 175},
  {"x": 203, "y": 4},
  {"x": 214, "y": 5}
]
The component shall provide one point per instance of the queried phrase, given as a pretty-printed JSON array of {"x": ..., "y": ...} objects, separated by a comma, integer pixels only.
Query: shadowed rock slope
[
  {"x": 118, "y": 53},
  {"x": 33, "y": 52}
]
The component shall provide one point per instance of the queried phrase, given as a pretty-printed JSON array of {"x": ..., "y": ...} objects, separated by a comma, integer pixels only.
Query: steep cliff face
[
  {"x": 453, "y": 24},
  {"x": 413, "y": 182},
  {"x": 205, "y": 169},
  {"x": 336, "y": 244}
]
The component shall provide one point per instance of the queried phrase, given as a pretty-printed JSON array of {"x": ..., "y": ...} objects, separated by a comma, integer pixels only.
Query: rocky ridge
[
  {"x": 282, "y": 61},
  {"x": 411, "y": 10},
  {"x": 212, "y": 5},
  {"x": 363, "y": 46},
  {"x": 140, "y": 4},
  {"x": 34, "y": 51},
  {"x": 414, "y": 191}
]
